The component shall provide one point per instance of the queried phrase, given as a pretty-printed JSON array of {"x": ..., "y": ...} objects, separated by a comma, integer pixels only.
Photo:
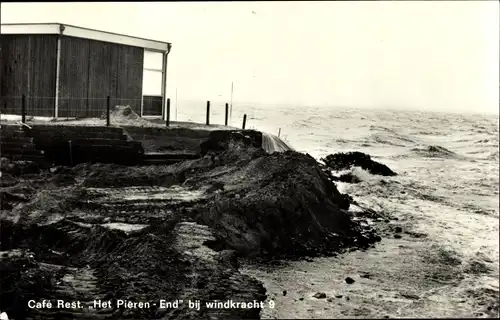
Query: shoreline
[
  {"x": 388, "y": 284},
  {"x": 195, "y": 206},
  {"x": 415, "y": 271}
]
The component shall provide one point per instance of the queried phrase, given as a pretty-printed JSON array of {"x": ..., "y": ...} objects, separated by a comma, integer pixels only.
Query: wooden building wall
[
  {"x": 92, "y": 70},
  {"x": 28, "y": 66},
  {"x": 73, "y": 77}
]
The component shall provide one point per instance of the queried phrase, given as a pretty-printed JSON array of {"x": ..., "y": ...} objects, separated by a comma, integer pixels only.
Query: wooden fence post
[
  {"x": 208, "y": 113},
  {"x": 227, "y": 113},
  {"x": 168, "y": 112},
  {"x": 244, "y": 121}
]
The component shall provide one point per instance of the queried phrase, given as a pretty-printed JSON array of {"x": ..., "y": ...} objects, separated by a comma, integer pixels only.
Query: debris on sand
[{"x": 345, "y": 161}]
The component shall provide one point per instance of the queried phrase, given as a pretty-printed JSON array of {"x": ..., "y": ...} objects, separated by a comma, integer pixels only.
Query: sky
[{"x": 424, "y": 55}]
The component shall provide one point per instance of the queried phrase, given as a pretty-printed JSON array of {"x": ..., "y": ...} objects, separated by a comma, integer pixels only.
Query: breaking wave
[
  {"x": 435, "y": 152},
  {"x": 493, "y": 156},
  {"x": 391, "y": 138}
]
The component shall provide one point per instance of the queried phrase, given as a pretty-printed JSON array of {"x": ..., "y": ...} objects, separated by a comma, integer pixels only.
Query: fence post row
[
  {"x": 168, "y": 113},
  {"x": 108, "y": 112},
  {"x": 108, "y": 109}
]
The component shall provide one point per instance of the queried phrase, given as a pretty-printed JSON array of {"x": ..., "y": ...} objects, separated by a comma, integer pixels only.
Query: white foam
[
  {"x": 342, "y": 186},
  {"x": 127, "y": 227},
  {"x": 364, "y": 175},
  {"x": 356, "y": 208}
]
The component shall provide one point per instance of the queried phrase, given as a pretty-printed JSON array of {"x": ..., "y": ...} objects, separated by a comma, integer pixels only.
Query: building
[{"x": 68, "y": 71}]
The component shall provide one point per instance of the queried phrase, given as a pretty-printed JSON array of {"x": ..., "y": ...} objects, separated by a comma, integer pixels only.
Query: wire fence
[
  {"x": 245, "y": 116},
  {"x": 202, "y": 112},
  {"x": 76, "y": 107},
  {"x": 32, "y": 107}
]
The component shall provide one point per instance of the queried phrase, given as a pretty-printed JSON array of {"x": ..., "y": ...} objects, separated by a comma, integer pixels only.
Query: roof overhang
[{"x": 80, "y": 32}]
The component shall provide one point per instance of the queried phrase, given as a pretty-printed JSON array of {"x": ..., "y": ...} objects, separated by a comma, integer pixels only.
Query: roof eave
[{"x": 86, "y": 33}]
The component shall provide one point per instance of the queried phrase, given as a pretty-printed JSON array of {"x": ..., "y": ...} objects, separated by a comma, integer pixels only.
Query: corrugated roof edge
[{"x": 88, "y": 33}]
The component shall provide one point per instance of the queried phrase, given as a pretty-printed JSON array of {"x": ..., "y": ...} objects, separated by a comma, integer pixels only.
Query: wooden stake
[{"x": 208, "y": 113}]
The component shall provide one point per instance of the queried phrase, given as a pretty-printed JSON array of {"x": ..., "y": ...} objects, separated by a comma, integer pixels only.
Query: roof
[{"x": 86, "y": 33}]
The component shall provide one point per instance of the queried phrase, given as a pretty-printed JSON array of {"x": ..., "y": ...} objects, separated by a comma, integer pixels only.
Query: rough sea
[{"x": 445, "y": 197}]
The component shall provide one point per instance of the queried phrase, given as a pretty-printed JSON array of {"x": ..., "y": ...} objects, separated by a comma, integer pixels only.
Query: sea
[{"x": 445, "y": 263}]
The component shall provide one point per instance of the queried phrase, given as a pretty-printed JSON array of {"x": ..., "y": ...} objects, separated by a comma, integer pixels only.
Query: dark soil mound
[
  {"x": 221, "y": 140},
  {"x": 344, "y": 161},
  {"x": 293, "y": 209},
  {"x": 111, "y": 232},
  {"x": 21, "y": 279},
  {"x": 279, "y": 204},
  {"x": 84, "y": 262}
]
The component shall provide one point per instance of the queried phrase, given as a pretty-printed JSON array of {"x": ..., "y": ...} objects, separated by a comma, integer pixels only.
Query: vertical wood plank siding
[
  {"x": 100, "y": 77},
  {"x": 94, "y": 70},
  {"x": 73, "y": 77},
  {"x": 130, "y": 73},
  {"x": 89, "y": 72},
  {"x": 28, "y": 67}
]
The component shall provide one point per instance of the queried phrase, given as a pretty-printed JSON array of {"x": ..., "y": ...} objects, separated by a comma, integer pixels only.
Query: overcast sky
[{"x": 434, "y": 55}]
